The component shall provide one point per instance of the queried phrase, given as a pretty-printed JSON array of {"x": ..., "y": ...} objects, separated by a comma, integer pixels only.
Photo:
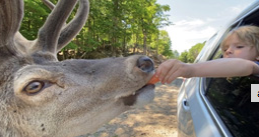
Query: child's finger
[{"x": 173, "y": 77}]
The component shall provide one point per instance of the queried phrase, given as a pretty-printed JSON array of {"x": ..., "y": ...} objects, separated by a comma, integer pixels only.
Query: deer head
[{"x": 40, "y": 96}]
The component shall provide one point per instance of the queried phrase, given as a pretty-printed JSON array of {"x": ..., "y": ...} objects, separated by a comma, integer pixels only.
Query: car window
[
  {"x": 231, "y": 99},
  {"x": 206, "y": 47}
]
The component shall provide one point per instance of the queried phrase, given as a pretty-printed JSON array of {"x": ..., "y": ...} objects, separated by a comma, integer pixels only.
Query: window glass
[
  {"x": 206, "y": 47},
  {"x": 231, "y": 99}
]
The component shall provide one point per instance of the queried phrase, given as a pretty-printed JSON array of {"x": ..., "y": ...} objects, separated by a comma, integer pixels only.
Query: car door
[
  {"x": 229, "y": 101},
  {"x": 194, "y": 119}
]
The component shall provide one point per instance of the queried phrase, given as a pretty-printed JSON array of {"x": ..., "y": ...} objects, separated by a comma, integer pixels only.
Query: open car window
[{"x": 231, "y": 99}]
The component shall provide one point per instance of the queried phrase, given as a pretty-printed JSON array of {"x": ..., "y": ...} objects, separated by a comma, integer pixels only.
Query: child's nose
[{"x": 229, "y": 51}]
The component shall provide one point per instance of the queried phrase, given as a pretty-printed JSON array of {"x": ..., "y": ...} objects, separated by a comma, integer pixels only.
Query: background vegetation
[
  {"x": 190, "y": 55},
  {"x": 114, "y": 28}
]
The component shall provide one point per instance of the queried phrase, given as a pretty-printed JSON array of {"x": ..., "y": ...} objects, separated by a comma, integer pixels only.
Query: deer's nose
[{"x": 145, "y": 64}]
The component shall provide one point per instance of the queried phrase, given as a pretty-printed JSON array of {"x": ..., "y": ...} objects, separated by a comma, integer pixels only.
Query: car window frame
[{"x": 203, "y": 86}]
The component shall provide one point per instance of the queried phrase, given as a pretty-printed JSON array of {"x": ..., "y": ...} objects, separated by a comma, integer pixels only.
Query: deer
[{"x": 41, "y": 96}]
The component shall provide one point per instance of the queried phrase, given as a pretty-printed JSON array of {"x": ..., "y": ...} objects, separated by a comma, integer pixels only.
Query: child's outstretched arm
[{"x": 225, "y": 67}]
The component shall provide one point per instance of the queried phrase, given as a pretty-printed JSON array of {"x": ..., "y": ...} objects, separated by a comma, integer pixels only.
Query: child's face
[{"x": 235, "y": 48}]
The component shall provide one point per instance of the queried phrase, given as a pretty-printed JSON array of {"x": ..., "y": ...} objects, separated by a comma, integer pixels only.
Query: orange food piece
[{"x": 153, "y": 80}]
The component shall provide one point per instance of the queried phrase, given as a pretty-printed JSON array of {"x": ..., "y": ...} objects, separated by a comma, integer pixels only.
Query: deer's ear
[{"x": 11, "y": 13}]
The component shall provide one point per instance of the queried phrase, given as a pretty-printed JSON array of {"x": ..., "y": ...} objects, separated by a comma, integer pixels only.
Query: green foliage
[
  {"x": 184, "y": 56},
  {"x": 112, "y": 26},
  {"x": 35, "y": 15},
  {"x": 194, "y": 51},
  {"x": 190, "y": 56},
  {"x": 71, "y": 45},
  {"x": 162, "y": 44},
  {"x": 175, "y": 54}
]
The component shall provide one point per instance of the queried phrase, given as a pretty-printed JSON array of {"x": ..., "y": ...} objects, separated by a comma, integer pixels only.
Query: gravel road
[{"x": 157, "y": 119}]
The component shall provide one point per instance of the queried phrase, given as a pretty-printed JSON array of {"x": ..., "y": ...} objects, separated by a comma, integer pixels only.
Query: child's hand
[{"x": 171, "y": 69}]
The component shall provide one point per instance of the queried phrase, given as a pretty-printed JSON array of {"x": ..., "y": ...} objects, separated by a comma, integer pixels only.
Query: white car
[{"x": 219, "y": 107}]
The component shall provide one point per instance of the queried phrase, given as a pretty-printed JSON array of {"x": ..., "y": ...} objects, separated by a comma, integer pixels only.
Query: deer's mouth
[
  {"x": 140, "y": 97},
  {"x": 145, "y": 94}
]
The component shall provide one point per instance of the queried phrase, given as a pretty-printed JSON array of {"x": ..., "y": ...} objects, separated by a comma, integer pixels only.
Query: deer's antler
[
  {"x": 48, "y": 4},
  {"x": 75, "y": 26},
  {"x": 55, "y": 33},
  {"x": 71, "y": 30},
  {"x": 11, "y": 13},
  {"x": 52, "y": 33}
]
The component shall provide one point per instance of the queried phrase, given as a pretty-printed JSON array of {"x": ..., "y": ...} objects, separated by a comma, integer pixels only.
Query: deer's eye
[{"x": 34, "y": 87}]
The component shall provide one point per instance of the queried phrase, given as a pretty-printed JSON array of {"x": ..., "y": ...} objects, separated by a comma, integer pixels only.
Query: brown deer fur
[{"x": 41, "y": 96}]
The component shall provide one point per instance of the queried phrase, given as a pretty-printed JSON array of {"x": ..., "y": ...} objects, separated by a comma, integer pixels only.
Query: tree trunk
[{"x": 144, "y": 42}]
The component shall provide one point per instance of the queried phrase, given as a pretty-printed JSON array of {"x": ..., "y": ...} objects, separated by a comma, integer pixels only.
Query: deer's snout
[{"x": 145, "y": 64}]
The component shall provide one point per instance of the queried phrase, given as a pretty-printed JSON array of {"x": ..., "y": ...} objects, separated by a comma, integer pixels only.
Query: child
[{"x": 241, "y": 55}]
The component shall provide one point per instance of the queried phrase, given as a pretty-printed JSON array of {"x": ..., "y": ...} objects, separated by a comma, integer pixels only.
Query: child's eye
[{"x": 239, "y": 47}]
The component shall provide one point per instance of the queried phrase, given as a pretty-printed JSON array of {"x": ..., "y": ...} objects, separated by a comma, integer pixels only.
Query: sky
[{"x": 195, "y": 21}]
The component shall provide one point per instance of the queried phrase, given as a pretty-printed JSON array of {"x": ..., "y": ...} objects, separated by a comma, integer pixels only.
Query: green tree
[
  {"x": 184, "y": 56},
  {"x": 35, "y": 15},
  {"x": 161, "y": 43},
  {"x": 176, "y": 54},
  {"x": 194, "y": 51},
  {"x": 113, "y": 28}
]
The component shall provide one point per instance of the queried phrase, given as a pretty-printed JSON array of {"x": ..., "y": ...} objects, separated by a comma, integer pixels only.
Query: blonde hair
[{"x": 249, "y": 34}]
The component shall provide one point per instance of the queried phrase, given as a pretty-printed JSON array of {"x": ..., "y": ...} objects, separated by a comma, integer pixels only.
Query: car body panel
[{"x": 193, "y": 114}]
